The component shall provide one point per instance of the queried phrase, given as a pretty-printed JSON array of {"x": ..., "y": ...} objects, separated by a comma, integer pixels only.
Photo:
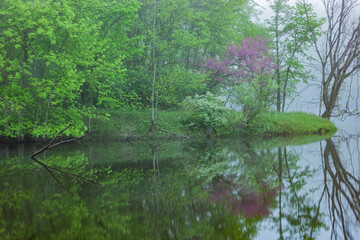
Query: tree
[
  {"x": 338, "y": 51},
  {"x": 187, "y": 33},
  {"x": 241, "y": 62},
  {"x": 39, "y": 76},
  {"x": 154, "y": 63},
  {"x": 56, "y": 63},
  {"x": 292, "y": 39},
  {"x": 245, "y": 68}
]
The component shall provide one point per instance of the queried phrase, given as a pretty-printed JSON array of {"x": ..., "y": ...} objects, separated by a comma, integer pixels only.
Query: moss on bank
[{"x": 135, "y": 124}]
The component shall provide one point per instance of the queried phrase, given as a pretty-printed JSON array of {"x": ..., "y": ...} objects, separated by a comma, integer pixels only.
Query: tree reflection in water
[
  {"x": 300, "y": 216},
  {"x": 297, "y": 215},
  {"x": 342, "y": 189},
  {"x": 223, "y": 190}
]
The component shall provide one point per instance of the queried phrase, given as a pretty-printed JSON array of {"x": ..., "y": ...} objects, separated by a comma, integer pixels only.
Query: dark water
[{"x": 224, "y": 189}]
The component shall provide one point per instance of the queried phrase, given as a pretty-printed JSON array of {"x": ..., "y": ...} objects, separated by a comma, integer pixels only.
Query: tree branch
[
  {"x": 51, "y": 145},
  {"x": 50, "y": 169}
]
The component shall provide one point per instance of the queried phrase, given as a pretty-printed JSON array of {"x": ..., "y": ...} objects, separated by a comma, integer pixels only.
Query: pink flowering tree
[
  {"x": 245, "y": 72},
  {"x": 241, "y": 62}
]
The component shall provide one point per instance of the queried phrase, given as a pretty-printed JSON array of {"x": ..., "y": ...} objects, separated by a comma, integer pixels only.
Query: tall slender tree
[
  {"x": 292, "y": 39},
  {"x": 153, "y": 124}
]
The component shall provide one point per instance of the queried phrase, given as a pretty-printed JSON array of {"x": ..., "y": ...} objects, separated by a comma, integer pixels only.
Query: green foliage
[
  {"x": 175, "y": 84},
  {"x": 254, "y": 97},
  {"x": 207, "y": 113},
  {"x": 59, "y": 61},
  {"x": 187, "y": 32},
  {"x": 292, "y": 39},
  {"x": 56, "y": 63}
]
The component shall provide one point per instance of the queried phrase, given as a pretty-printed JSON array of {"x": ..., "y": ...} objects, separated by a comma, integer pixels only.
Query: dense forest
[{"x": 61, "y": 60}]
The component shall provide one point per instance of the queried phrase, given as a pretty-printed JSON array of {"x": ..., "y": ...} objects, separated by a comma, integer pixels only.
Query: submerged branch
[
  {"x": 51, "y": 142},
  {"x": 49, "y": 169},
  {"x": 52, "y": 145}
]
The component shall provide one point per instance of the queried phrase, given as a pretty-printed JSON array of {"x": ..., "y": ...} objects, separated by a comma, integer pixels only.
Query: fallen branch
[
  {"x": 49, "y": 169},
  {"x": 67, "y": 141},
  {"x": 51, "y": 145}
]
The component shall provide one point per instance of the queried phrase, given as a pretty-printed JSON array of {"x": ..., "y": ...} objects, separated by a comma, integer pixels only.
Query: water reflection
[
  {"x": 342, "y": 189},
  {"x": 298, "y": 216},
  {"x": 229, "y": 189}
]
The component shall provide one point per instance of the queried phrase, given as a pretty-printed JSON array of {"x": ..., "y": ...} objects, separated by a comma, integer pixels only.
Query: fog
[{"x": 309, "y": 94}]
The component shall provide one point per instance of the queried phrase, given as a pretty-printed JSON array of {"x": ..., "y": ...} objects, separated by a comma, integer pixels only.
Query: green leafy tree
[
  {"x": 291, "y": 39},
  {"x": 243, "y": 73},
  {"x": 56, "y": 63}
]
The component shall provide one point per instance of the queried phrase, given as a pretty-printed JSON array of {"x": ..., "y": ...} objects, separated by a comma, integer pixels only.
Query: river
[{"x": 284, "y": 188}]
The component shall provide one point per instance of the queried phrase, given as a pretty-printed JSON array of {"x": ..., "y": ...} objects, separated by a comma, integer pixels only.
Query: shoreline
[{"x": 134, "y": 125}]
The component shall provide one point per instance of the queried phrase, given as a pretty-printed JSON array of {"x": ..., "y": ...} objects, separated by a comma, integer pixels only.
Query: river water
[{"x": 284, "y": 188}]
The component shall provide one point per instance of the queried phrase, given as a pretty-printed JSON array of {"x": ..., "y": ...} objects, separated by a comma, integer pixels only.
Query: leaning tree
[{"x": 338, "y": 51}]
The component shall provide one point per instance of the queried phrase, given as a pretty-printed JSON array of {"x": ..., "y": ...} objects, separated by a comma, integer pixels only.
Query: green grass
[
  {"x": 293, "y": 123},
  {"x": 135, "y": 124}
]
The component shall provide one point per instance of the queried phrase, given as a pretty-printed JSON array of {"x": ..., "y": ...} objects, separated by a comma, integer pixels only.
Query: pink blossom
[{"x": 242, "y": 62}]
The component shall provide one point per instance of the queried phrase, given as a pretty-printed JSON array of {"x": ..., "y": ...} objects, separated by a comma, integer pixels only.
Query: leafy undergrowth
[
  {"x": 135, "y": 124},
  {"x": 292, "y": 123}
]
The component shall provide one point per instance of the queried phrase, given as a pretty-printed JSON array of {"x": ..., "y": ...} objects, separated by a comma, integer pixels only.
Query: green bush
[
  {"x": 255, "y": 96},
  {"x": 236, "y": 122},
  {"x": 206, "y": 113}
]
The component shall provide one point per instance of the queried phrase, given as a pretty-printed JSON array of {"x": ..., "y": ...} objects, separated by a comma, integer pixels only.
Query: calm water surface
[{"x": 224, "y": 189}]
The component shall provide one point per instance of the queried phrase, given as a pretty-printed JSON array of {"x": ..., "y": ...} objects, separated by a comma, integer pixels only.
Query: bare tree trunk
[
  {"x": 277, "y": 39},
  {"x": 153, "y": 124},
  {"x": 339, "y": 54},
  {"x": 23, "y": 78},
  {"x": 20, "y": 137}
]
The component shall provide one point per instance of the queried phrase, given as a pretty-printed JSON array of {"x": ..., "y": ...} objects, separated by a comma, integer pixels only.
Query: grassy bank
[
  {"x": 135, "y": 124},
  {"x": 293, "y": 123}
]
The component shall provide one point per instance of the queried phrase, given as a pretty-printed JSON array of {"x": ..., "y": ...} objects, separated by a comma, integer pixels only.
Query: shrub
[{"x": 206, "y": 113}]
